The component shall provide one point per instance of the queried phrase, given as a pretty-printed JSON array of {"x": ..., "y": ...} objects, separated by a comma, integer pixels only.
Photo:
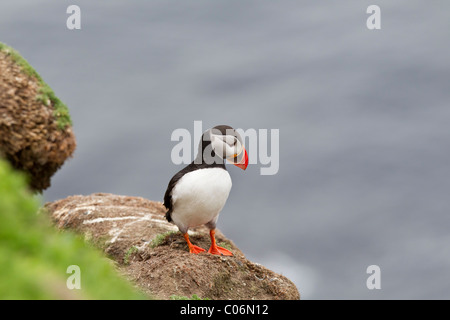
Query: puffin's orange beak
[{"x": 244, "y": 161}]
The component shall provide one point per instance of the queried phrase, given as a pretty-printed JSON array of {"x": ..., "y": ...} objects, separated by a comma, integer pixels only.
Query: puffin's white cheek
[
  {"x": 230, "y": 151},
  {"x": 218, "y": 147},
  {"x": 238, "y": 147}
]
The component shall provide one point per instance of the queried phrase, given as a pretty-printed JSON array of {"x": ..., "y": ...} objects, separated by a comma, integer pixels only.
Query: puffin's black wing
[{"x": 168, "y": 196}]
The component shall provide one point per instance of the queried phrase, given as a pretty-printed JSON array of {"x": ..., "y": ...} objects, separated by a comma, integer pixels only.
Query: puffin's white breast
[{"x": 199, "y": 196}]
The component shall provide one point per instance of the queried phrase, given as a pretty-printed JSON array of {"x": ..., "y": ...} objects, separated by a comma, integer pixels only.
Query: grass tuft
[
  {"x": 160, "y": 238},
  {"x": 34, "y": 256},
  {"x": 128, "y": 254}
]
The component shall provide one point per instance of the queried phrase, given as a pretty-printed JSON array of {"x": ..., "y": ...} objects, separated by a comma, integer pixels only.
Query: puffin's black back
[{"x": 197, "y": 164}]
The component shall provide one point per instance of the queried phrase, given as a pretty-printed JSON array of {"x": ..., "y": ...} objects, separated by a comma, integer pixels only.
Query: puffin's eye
[{"x": 228, "y": 140}]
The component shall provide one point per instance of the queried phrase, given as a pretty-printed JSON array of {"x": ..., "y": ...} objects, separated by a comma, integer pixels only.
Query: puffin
[{"x": 197, "y": 193}]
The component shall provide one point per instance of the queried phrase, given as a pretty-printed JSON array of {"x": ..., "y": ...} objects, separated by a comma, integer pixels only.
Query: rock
[
  {"x": 152, "y": 253},
  {"x": 35, "y": 128}
]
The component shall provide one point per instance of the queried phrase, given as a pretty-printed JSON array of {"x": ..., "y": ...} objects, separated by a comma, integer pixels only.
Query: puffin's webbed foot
[
  {"x": 215, "y": 249},
  {"x": 193, "y": 248},
  {"x": 219, "y": 251},
  {"x": 196, "y": 249}
]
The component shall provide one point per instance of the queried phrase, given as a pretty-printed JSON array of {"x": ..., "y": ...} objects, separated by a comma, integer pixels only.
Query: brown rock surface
[
  {"x": 30, "y": 136},
  {"x": 150, "y": 252}
]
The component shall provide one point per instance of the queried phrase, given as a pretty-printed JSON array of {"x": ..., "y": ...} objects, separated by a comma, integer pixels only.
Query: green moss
[
  {"x": 34, "y": 256},
  {"x": 98, "y": 242},
  {"x": 60, "y": 111},
  {"x": 225, "y": 245},
  {"x": 160, "y": 238},
  {"x": 45, "y": 93},
  {"x": 131, "y": 251}
]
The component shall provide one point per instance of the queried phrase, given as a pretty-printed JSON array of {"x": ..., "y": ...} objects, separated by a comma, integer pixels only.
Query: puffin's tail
[{"x": 168, "y": 204}]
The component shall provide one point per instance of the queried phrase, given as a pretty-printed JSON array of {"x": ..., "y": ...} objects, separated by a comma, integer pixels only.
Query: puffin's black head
[{"x": 220, "y": 143}]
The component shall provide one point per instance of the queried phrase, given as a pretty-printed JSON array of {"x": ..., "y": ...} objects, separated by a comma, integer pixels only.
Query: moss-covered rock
[
  {"x": 34, "y": 256},
  {"x": 35, "y": 127}
]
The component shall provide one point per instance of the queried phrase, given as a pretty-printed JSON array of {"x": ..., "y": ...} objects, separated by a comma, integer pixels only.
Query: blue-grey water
[{"x": 363, "y": 117}]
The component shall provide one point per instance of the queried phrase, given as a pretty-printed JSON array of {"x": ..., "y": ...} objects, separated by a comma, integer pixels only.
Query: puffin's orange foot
[
  {"x": 219, "y": 251},
  {"x": 195, "y": 249},
  {"x": 192, "y": 248}
]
